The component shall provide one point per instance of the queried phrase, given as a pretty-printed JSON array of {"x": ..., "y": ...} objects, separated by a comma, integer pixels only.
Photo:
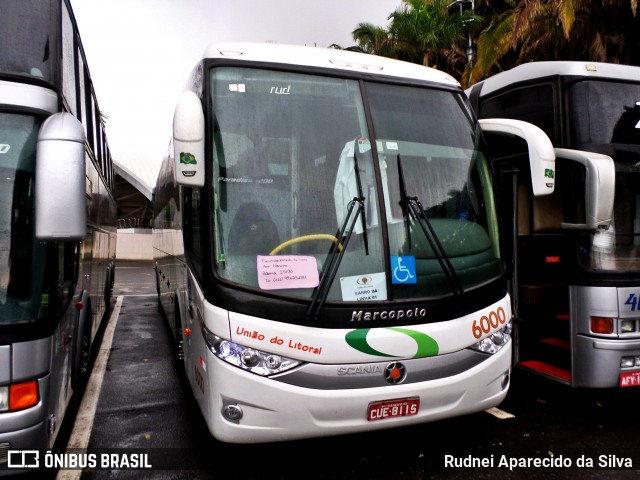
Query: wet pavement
[{"x": 144, "y": 407}]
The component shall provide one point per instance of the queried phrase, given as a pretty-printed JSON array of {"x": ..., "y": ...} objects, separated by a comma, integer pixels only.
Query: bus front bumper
[
  {"x": 276, "y": 411},
  {"x": 597, "y": 362}
]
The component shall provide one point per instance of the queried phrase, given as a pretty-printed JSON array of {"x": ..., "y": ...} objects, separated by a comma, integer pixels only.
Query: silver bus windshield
[
  {"x": 28, "y": 45},
  {"x": 291, "y": 153},
  {"x": 21, "y": 257},
  {"x": 605, "y": 118}
]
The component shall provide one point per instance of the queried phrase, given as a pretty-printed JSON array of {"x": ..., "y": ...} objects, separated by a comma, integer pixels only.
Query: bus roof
[
  {"x": 537, "y": 70},
  {"x": 327, "y": 58}
]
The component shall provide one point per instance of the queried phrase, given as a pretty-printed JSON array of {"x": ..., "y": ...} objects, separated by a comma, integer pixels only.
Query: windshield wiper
[
  {"x": 336, "y": 253},
  {"x": 334, "y": 257},
  {"x": 404, "y": 202},
  {"x": 363, "y": 217},
  {"x": 412, "y": 207}
]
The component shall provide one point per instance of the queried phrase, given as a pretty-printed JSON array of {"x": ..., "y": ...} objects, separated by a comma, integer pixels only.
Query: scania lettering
[
  {"x": 577, "y": 252},
  {"x": 361, "y": 370},
  {"x": 57, "y": 222},
  {"x": 300, "y": 180}
]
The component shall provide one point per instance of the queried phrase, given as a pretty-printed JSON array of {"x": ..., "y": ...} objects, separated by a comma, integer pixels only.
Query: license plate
[
  {"x": 399, "y": 407},
  {"x": 630, "y": 379}
]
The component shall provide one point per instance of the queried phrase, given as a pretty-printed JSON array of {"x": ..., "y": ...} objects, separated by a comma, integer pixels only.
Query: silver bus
[
  {"x": 577, "y": 252},
  {"x": 57, "y": 221}
]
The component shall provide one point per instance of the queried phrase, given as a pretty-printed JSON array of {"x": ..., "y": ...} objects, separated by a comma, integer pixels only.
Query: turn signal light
[
  {"x": 23, "y": 395},
  {"x": 601, "y": 325}
]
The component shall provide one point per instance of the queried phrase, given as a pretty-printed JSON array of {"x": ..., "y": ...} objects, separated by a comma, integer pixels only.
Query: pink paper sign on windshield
[{"x": 287, "y": 271}]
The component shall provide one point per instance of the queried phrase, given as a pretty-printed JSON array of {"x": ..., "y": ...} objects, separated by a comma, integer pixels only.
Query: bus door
[
  {"x": 545, "y": 235},
  {"x": 543, "y": 255}
]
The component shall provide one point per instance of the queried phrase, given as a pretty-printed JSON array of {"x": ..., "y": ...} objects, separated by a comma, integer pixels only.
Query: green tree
[
  {"x": 504, "y": 33},
  {"x": 372, "y": 39},
  {"x": 429, "y": 32},
  {"x": 534, "y": 30}
]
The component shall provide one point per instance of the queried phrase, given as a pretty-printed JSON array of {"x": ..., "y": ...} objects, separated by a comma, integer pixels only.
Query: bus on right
[{"x": 575, "y": 265}]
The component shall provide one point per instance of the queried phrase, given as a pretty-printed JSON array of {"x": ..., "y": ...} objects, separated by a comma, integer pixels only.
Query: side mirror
[
  {"x": 599, "y": 188},
  {"x": 188, "y": 140},
  {"x": 542, "y": 157},
  {"x": 60, "y": 197}
]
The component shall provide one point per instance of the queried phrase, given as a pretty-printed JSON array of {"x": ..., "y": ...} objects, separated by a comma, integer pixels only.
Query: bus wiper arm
[
  {"x": 404, "y": 202},
  {"x": 413, "y": 207},
  {"x": 330, "y": 268},
  {"x": 363, "y": 218}
]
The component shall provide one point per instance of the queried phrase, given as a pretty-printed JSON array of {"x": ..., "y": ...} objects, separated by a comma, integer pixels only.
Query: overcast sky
[{"x": 140, "y": 52}]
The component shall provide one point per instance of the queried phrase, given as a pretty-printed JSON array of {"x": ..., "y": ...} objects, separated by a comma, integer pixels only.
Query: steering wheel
[{"x": 306, "y": 238}]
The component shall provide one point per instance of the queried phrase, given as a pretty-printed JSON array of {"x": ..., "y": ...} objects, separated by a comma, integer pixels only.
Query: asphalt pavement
[{"x": 137, "y": 411}]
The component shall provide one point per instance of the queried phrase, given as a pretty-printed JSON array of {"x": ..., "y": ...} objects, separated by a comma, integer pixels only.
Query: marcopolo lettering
[{"x": 361, "y": 315}]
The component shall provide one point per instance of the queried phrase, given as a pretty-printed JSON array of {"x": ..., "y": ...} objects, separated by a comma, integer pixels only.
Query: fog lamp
[
  {"x": 233, "y": 413},
  {"x": 627, "y": 362}
]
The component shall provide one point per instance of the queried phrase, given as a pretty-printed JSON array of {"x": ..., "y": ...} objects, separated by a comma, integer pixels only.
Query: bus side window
[
  {"x": 192, "y": 226},
  {"x": 68, "y": 256}
]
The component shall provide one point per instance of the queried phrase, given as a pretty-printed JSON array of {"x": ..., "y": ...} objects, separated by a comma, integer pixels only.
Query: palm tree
[
  {"x": 505, "y": 33},
  {"x": 427, "y": 32},
  {"x": 430, "y": 33},
  {"x": 373, "y": 39},
  {"x": 592, "y": 30}
]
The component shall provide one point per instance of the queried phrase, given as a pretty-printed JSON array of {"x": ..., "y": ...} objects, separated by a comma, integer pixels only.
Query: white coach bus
[
  {"x": 577, "y": 252},
  {"x": 327, "y": 244}
]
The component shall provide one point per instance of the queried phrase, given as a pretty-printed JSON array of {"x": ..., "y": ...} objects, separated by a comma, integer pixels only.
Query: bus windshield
[
  {"x": 28, "y": 47},
  {"x": 394, "y": 194},
  {"x": 605, "y": 118},
  {"x": 20, "y": 277}
]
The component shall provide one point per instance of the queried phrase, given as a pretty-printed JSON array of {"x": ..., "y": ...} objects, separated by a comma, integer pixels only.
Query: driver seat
[{"x": 252, "y": 231}]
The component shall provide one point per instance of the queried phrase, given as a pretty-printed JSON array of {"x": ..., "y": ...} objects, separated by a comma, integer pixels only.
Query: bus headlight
[
  {"x": 628, "y": 326},
  {"x": 4, "y": 399},
  {"x": 494, "y": 342},
  {"x": 250, "y": 359}
]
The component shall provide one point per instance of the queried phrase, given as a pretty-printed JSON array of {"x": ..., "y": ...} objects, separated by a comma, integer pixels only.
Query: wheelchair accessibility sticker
[{"x": 403, "y": 270}]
